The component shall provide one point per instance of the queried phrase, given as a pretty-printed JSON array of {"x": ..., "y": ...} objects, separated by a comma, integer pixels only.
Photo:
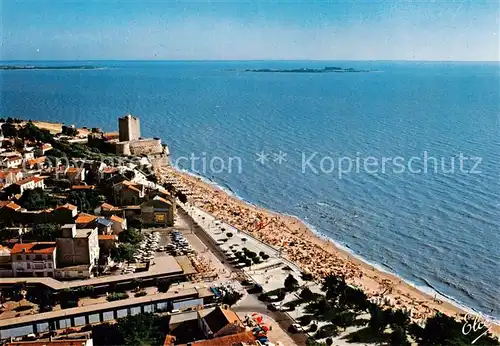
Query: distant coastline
[
  {"x": 308, "y": 70},
  {"x": 34, "y": 67}
]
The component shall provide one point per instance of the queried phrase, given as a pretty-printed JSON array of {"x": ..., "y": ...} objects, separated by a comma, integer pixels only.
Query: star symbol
[
  {"x": 279, "y": 158},
  {"x": 262, "y": 157}
]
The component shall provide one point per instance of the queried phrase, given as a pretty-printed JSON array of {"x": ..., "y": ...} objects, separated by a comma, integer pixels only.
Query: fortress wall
[{"x": 146, "y": 147}]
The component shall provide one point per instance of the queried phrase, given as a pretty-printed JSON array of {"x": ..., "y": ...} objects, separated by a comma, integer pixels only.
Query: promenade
[{"x": 165, "y": 266}]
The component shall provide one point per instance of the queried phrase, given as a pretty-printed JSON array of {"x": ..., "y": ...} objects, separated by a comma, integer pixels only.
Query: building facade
[
  {"x": 78, "y": 247},
  {"x": 34, "y": 259}
]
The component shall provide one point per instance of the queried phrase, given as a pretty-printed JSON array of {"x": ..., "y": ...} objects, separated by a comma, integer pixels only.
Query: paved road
[{"x": 250, "y": 303}]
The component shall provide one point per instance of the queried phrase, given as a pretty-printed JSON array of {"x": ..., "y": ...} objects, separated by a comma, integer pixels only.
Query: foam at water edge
[{"x": 431, "y": 291}]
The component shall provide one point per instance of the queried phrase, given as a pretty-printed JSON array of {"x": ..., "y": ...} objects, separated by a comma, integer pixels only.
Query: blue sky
[{"x": 333, "y": 30}]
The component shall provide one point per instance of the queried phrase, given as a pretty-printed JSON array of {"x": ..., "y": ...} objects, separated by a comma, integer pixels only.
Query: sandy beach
[{"x": 310, "y": 252}]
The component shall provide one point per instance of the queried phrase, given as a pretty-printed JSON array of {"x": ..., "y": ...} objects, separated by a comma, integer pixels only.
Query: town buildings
[
  {"x": 78, "y": 251},
  {"x": 34, "y": 259}
]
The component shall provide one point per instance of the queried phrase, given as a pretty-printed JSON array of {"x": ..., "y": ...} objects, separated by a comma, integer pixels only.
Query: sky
[{"x": 462, "y": 30}]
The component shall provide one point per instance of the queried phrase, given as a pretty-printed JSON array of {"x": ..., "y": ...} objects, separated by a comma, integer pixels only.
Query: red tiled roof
[
  {"x": 107, "y": 237},
  {"x": 85, "y": 218},
  {"x": 228, "y": 340},
  {"x": 82, "y": 187},
  {"x": 110, "y": 170},
  {"x": 169, "y": 340},
  {"x": 13, "y": 206},
  {"x": 73, "y": 170},
  {"x": 107, "y": 206},
  {"x": 36, "y": 161},
  {"x": 37, "y": 179},
  {"x": 116, "y": 218},
  {"x": 67, "y": 206},
  {"x": 34, "y": 248}
]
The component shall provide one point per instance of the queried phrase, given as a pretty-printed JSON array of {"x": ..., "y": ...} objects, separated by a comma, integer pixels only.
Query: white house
[{"x": 34, "y": 259}]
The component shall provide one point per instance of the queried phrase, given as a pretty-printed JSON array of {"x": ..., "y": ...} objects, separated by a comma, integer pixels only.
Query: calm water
[{"x": 434, "y": 229}]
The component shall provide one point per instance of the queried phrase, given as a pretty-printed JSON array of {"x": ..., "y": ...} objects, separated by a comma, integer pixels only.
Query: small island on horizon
[
  {"x": 34, "y": 67},
  {"x": 308, "y": 70}
]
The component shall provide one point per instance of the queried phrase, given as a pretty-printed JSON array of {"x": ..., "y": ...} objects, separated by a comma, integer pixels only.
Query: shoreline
[
  {"x": 427, "y": 290},
  {"x": 372, "y": 278}
]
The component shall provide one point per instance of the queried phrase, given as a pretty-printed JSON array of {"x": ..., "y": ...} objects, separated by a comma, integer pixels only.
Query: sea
[{"x": 398, "y": 165}]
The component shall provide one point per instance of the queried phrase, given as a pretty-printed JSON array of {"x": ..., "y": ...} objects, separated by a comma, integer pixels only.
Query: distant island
[
  {"x": 309, "y": 70},
  {"x": 31, "y": 67}
]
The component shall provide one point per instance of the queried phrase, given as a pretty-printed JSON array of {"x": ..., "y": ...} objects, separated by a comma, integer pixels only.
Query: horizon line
[{"x": 250, "y": 60}]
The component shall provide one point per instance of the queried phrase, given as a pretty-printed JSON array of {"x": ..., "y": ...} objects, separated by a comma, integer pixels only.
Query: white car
[
  {"x": 297, "y": 327},
  {"x": 277, "y": 305}
]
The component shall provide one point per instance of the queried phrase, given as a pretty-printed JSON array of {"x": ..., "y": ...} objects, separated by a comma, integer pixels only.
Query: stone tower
[{"x": 129, "y": 127}]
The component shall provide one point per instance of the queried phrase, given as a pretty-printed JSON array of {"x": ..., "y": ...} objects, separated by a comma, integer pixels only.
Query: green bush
[
  {"x": 140, "y": 294},
  {"x": 116, "y": 296}
]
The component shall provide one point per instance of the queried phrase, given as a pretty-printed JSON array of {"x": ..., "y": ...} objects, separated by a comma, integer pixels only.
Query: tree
[
  {"x": 124, "y": 252},
  {"x": 131, "y": 235},
  {"x": 32, "y": 132},
  {"x": 400, "y": 318},
  {"x": 334, "y": 286},
  {"x": 344, "y": 319},
  {"x": 163, "y": 285},
  {"x": 9, "y": 130},
  {"x": 306, "y": 294},
  {"x": 36, "y": 199},
  {"x": 326, "y": 331},
  {"x": 86, "y": 200},
  {"x": 398, "y": 337},
  {"x": 444, "y": 330},
  {"x": 329, "y": 341},
  {"x": 143, "y": 329},
  {"x": 45, "y": 232},
  {"x": 307, "y": 276},
  {"x": 354, "y": 298},
  {"x": 44, "y": 297},
  {"x": 19, "y": 290},
  {"x": 230, "y": 298},
  {"x": 69, "y": 131},
  {"x": 68, "y": 298},
  {"x": 291, "y": 283},
  {"x": 378, "y": 318}
]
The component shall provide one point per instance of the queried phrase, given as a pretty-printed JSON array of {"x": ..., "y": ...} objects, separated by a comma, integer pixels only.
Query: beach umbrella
[{"x": 264, "y": 328}]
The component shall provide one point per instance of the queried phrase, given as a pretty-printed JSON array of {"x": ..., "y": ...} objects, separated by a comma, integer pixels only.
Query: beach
[{"x": 310, "y": 252}]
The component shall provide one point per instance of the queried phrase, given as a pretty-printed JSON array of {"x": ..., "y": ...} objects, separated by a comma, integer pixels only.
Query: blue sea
[{"x": 430, "y": 213}]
